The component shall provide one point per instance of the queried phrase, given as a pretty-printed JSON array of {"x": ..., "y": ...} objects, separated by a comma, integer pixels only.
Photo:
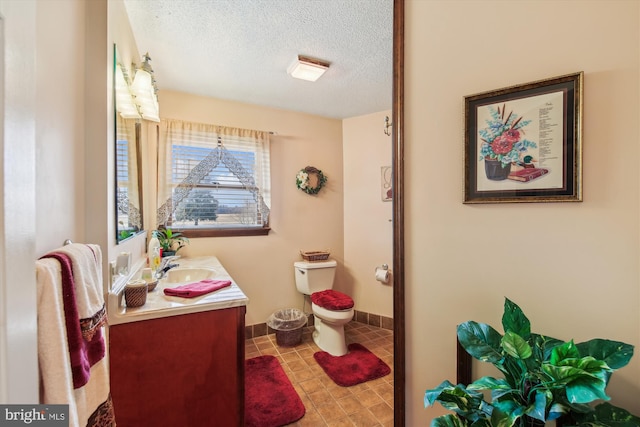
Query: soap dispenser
[{"x": 153, "y": 252}]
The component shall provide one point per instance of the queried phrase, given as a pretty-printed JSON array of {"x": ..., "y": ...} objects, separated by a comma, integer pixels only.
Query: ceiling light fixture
[{"x": 307, "y": 68}]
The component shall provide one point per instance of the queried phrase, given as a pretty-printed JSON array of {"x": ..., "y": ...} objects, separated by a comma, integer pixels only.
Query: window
[
  {"x": 128, "y": 215},
  {"x": 214, "y": 180}
]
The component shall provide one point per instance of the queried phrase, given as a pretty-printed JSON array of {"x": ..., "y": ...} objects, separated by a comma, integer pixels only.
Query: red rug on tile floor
[
  {"x": 357, "y": 366},
  {"x": 269, "y": 397}
]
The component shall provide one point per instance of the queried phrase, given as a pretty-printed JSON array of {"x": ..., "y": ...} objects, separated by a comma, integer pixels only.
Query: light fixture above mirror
[
  {"x": 124, "y": 101},
  {"x": 145, "y": 91},
  {"x": 138, "y": 100}
]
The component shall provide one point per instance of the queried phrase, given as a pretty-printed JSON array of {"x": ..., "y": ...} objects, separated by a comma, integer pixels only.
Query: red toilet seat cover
[{"x": 332, "y": 300}]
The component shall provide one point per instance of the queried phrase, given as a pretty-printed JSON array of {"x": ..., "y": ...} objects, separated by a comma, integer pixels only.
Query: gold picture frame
[{"x": 524, "y": 143}]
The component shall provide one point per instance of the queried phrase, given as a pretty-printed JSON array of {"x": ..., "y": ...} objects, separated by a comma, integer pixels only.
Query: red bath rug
[
  {"x": 269, "y": 398},
  {"x": 357, "y": 366}
]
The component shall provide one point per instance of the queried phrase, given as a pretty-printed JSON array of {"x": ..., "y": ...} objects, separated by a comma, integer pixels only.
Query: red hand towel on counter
[{"x": 198, "y": 288}]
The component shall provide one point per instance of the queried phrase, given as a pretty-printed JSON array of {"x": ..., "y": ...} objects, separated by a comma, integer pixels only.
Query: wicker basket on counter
[
  {"x": 135, "y": 293},
  {"x": 315, "y": 255}
]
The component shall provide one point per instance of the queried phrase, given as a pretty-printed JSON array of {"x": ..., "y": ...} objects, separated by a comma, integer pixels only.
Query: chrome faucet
[{"x": 166, "y": 265}]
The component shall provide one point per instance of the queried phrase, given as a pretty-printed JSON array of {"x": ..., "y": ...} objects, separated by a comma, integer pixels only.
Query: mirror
[{"x": 128, "y": 186}]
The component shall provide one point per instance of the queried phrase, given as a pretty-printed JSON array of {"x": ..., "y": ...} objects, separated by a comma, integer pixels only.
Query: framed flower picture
[{"x": 523, "y": 143}]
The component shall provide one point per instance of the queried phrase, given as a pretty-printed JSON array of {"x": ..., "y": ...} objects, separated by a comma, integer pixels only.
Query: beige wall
[
  {"x": 18, "y": 98},
  {"x": 578, "y": 277},
  {"x": 368, "y": 230},
  {"x": 59, "y": 127},
  {"x": 263, "y": 265}
]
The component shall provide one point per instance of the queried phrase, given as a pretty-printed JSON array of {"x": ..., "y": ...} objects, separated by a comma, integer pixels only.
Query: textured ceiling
[{"x": 240, "y": 50}]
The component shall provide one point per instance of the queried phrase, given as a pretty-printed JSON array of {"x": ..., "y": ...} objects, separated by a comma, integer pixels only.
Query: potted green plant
[
  {"x": 170, "y": 241},
  {"x": 544, "y": 379}
]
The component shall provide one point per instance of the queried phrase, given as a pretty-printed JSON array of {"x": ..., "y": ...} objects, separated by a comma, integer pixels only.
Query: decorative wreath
[{"x": 302, "y": 180}]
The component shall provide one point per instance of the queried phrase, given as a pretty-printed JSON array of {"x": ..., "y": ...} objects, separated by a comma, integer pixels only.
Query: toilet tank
[{"x": 314, "y": 276}]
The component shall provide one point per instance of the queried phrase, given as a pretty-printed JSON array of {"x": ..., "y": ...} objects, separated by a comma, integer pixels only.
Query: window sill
[{"x": 223, "y": 232}]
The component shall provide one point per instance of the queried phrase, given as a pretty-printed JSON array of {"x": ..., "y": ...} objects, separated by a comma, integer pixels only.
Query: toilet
[{"x": 331, "y": 309}]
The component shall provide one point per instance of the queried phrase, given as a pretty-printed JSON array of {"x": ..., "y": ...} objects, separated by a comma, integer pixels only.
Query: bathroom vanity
[{"x": 179, "y": 361}]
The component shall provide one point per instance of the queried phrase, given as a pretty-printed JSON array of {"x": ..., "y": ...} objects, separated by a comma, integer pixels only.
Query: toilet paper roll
[{"x": 382, "y": 275}]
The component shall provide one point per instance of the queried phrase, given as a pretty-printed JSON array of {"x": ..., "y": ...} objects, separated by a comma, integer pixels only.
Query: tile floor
[{"x": 327, "y": 404}]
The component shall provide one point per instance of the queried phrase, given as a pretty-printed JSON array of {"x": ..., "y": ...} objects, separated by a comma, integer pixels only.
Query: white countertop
[{"x": 160, "y": 305}]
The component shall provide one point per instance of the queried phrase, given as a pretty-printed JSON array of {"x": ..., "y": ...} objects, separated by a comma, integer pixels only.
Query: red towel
[{"x": 198, "y": 288}]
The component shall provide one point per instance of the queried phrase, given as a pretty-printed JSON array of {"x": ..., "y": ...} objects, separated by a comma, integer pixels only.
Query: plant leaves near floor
[
  {"x": 606, "y": 415},
  {"x": 544, "y": 379}
]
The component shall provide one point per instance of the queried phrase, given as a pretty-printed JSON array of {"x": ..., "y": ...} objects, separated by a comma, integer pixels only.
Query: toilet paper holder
[{"x": 383, "y": 273}]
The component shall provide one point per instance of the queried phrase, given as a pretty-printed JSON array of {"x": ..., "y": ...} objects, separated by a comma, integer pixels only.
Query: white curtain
[{"x": 221, "y": 140}]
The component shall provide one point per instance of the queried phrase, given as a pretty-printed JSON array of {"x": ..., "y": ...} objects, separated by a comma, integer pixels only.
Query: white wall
[
  {"x": 368, "y": 230},
  {"x": 578, "y": 277}
]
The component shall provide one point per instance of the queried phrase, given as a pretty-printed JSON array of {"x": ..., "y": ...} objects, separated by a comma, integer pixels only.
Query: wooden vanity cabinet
[{"x": 185, "y": 370}]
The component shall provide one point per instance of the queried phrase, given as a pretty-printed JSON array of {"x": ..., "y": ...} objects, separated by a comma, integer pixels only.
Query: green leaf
[
  {"x": 585, "y": 379},
  {"x": 480, "y": 341},
  {"x": 538, "y": 409},
  {"x": 489, "y": 383},
  {"x": 544, "y": 345},
  {"x": 515, "y": 346},
  {"x": 455, "y": 398},
  {"x": 431, "y": 395},
  {"x": 514, "y": 370},
  {"x": 469, "y": 404},
  {"x": 615, "y": 353},
  {"x": 514, "y": 320},
  {"x": 608, "y": 415},
  {"x": 567, "y": 350},
  {"x": 449, "y": 421},
  {"x": 506, "y": 413},
  {"x": 567, "y": 370},
  {"x": 586, "y": 390},
  {"x": 556, "y": 411}
]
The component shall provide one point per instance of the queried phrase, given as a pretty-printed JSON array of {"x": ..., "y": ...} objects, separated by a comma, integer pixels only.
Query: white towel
[
  {"x": 89, "y": 405},
  {"x": 53, "y": 355},
  {"x": 87, "y": 273}
]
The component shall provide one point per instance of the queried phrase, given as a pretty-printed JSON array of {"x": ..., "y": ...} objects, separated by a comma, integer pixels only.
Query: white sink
[{"x": 181, "y": 275}]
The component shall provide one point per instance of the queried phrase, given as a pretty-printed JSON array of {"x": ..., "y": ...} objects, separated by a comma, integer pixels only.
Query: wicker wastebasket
[{"x": 288, "y": 324}]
